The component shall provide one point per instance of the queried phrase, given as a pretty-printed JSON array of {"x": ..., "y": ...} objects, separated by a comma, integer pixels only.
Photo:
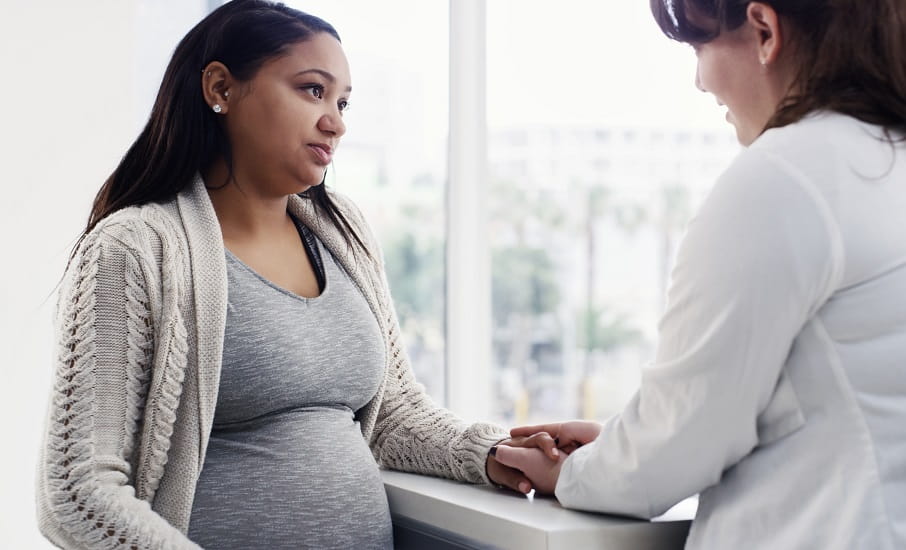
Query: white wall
[{"x": 76, "y": 82}]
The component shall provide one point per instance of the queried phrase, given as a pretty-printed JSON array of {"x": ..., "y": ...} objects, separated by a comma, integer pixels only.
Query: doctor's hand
[
  {"x": 534, "y": 463},
  {"x": 505, "y": 476},
  {"x": 568, "y": 436}
]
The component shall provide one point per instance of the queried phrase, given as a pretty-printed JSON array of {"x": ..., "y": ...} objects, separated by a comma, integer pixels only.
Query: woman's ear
[
  {"x": 217, "y": 87},
  {"x": 766, "y": 23}
]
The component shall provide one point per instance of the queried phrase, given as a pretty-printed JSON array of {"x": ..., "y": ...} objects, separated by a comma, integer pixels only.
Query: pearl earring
[
  {"x": 217, "y": 108},
  {"x": 226, "y": 93}
]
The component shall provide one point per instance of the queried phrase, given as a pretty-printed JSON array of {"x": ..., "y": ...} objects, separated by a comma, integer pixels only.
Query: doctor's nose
[{"x": 698, "y": 80}]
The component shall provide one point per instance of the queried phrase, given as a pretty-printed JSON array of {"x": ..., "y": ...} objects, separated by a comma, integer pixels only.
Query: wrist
[{"x": 487, "y": 464}]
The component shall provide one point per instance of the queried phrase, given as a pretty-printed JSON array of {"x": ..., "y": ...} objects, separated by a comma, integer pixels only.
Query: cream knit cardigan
[{"x": 139, "y": 331}]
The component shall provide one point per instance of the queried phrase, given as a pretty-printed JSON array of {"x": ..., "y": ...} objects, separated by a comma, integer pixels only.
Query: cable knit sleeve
[
  {"x": 104, "y": 347},
  {"x": 411, "y": 433}
]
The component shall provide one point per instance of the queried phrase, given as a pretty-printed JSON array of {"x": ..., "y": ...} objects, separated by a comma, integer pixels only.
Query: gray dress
[{"x": 286, "y": 466}]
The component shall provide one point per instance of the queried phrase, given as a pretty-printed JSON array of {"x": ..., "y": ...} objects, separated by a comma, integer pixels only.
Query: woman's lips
[{"x": 322, "y": 153}]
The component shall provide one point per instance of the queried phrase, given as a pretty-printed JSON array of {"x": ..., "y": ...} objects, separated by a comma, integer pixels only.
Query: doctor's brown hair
[{"x": 851, "y": 54}]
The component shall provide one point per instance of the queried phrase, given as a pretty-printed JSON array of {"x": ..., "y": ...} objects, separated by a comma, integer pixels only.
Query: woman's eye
[
  {"x": 315, "y": 90},
  {"x": 343, "y": 105}
]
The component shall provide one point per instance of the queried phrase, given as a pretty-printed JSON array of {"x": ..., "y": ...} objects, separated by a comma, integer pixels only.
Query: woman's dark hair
[
  {"x": 851, "y": 54},
  {"x": 183, "y": 135}
]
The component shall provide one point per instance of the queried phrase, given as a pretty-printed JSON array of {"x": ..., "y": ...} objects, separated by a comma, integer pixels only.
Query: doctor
[{"x": 778, "y": 390}]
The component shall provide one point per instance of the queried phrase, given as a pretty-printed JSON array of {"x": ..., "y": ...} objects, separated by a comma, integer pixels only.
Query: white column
[{"x": 468, "y": 297}]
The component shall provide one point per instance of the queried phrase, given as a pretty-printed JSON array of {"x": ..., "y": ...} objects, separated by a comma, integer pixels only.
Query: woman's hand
[
  {"x": 505, "y": 476},
  {"x": 567, "y": 436},
  {"x": 533, "y": 463},
  {"x": 534, "y": 455}
]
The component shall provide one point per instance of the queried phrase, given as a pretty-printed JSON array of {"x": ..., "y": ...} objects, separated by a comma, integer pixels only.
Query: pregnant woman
[{"x": 229, "y": 371}]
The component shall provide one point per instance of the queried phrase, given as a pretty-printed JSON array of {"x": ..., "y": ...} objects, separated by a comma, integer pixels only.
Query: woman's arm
[
  {"x": 413, "y": 434},
  {"x": 758, "y": 261},
  {"x": 105, "y": 338}
]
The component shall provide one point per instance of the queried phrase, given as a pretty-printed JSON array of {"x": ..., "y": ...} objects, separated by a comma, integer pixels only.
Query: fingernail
[
  {"x": 555, "y": 452},
  {"x": 524, "y": 487},
  {"x": 493, "y": 451}
]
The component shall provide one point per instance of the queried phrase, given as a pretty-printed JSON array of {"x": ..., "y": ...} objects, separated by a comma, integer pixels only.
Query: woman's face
[
  {"x": 287, "y": 121},
  {"x": 729, "y": 69}
]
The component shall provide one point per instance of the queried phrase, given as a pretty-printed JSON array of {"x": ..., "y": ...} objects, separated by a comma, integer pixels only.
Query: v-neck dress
[{"x": 286, "y": 466}]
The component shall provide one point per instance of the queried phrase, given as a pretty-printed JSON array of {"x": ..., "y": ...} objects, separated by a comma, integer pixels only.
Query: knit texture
[{"x": 139, "y": 330}]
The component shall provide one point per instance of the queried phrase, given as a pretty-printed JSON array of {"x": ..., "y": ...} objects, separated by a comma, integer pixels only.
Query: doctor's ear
[
  {"x": 217, "y": 87},
  {"x": 766, "y": 22}
]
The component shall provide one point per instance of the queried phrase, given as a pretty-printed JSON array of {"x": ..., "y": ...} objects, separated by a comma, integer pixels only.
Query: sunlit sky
[{"x": 590, "y": 61}]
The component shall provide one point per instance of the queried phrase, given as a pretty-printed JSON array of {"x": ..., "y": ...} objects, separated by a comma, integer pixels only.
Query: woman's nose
[
  {"x": 332, "y": 123},
  {"x": 698, "y": 80}
]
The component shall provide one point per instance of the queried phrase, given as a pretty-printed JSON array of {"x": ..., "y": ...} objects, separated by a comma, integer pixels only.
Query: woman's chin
[
  {"x": 312, "y": 179},
  {"x": 304, "y": 183}
]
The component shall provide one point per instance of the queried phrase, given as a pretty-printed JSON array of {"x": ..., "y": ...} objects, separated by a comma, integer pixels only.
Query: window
[{"x": 583, "y": 240}]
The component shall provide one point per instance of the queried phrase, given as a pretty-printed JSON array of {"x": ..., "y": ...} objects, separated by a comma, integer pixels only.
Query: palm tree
[
  {"x": 524, "y": 284},
  {"x": 674, "y": 214},
  {"x": 598, "y": 336}
]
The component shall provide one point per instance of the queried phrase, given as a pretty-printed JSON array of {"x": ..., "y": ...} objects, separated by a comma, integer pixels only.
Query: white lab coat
[{"x": 778, "y": 390}]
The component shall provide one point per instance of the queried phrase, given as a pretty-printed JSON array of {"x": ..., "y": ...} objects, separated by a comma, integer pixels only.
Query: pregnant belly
[{"x": 298, "y": 479}]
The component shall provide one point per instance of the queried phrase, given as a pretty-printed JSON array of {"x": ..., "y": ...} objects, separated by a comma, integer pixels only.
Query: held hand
[
  {"x": 504, "y": 476},
  {"x": 513, "y": 478},
  {"x": 540, "y": 440},
  {"x": 534, "y": 463},
  {"x": 568, "y": 436}
]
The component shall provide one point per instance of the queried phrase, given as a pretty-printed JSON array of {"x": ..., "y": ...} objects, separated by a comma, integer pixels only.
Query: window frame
[{"x": 467, "y": 366}]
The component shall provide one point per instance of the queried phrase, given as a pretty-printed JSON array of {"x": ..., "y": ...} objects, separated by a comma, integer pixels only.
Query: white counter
[{"x": 459, "y": 515}]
